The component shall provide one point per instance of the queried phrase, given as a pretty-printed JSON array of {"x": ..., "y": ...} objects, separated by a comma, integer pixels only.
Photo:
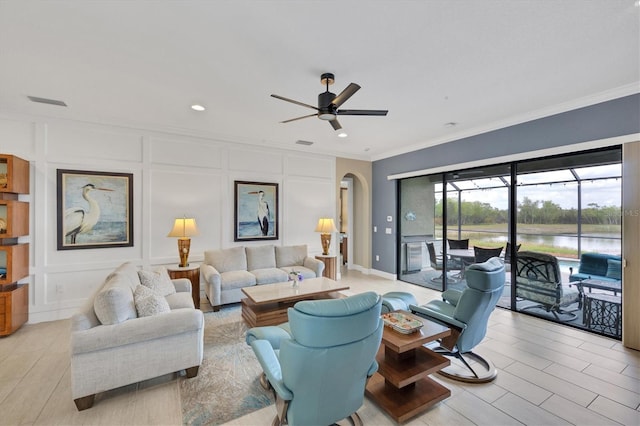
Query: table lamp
[
  {"x": 326, "y": 227},
  {"x": 183, "y": 228}
]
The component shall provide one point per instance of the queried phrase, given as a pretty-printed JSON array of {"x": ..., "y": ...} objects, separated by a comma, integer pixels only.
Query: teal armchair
[
  {"x": 467, "y": 313},
  {"x": 319, "y": 362}
]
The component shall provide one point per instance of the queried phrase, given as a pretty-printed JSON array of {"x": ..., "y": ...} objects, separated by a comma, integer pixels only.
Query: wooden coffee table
[
  {"x": 402, "y": 386},
  {"x": 267, "y": 304}
]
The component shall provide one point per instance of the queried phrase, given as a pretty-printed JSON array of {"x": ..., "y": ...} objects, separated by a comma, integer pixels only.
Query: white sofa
[
  {"x": 112, "y": 346},
  {"x": 225, "y": 272}
]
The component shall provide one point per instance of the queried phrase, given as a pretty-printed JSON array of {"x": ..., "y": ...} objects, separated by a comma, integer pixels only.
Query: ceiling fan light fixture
[
  {"x": 327, "y": 116},
  {"x": 328, "y": 104}
]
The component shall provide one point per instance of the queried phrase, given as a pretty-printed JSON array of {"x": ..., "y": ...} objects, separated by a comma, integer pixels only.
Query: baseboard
[
  {"x": 392, "y": 277},
  {"x": 36, "y": 317}
]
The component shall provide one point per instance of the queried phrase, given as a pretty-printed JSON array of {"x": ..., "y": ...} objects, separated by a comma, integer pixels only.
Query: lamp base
[
  {"x": 183, "y": 249},
  {"x": 325, "y": 239}
]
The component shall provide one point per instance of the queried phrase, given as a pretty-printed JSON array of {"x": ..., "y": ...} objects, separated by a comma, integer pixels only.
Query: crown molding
[{"x": 608, "y": 95}]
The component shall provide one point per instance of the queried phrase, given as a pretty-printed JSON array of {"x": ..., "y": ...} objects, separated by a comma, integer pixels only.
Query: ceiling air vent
[
  {"x": 305, "y": 143},
  {"x": 46, "y": 101}
]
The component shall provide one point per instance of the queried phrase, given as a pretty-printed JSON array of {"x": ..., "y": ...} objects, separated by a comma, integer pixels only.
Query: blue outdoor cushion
[{"x": 614, "y": 269}]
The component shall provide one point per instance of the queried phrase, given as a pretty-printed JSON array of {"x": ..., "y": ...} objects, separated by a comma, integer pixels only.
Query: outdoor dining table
[{"x": 465, "y": 256}]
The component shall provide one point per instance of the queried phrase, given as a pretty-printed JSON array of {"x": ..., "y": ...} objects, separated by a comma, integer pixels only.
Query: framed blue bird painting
[
  {"x": 94, "y": 209},
  {"x": 256, "y": 211}
]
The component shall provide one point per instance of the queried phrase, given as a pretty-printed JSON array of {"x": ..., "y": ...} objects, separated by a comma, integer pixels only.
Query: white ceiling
[{"x": 481, "y": 64}]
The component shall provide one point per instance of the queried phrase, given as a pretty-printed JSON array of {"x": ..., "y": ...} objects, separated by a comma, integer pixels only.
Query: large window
[{"x": 561, "y": 207}]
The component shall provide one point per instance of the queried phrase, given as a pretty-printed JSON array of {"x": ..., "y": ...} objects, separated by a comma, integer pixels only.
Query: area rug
[{"x": 227, "y": 385}]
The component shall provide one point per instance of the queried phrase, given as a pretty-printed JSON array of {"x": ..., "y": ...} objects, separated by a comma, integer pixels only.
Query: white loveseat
[
  {"x": 225, "y": 272},
  {"x": 113, "y": 346}
]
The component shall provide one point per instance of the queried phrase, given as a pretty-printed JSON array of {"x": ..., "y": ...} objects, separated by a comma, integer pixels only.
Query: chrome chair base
[{"x": 483, "y": 370}]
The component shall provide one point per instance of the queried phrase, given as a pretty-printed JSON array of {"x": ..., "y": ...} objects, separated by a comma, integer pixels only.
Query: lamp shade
[
  {"x": 326, "y": 226},
  {"x": 184, "y": 227}
]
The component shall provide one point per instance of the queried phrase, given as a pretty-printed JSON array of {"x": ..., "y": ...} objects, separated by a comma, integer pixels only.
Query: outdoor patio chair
[
  {"x": 507, "y": 252},
  {"x": 458, "y": 244},
  {"x": 435, "y": 260},
  {"x": 483, "y": 254},
  {"x": 538, "y": 279},
  {"x": 437, "y": 264}
]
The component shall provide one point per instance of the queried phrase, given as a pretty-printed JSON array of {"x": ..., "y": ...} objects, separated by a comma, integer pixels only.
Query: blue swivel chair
[
  {"x": 319, "y": 362},
  {"x": 467, "y": 313}
]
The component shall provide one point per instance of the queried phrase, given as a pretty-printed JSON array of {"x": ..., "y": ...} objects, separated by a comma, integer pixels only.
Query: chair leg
[
  {"x": 192, "y": 371},
  {"x": 281, "y": 412},
  {"x": 264, "y": 382},
  {"x": 85, "y": 402}
]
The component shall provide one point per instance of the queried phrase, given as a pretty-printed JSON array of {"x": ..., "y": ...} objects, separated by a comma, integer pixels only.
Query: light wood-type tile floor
[{"x": 548, "y": 375}]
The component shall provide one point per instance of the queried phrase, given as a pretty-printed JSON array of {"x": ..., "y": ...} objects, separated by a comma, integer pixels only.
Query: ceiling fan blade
[
  {"x": 335, "y": 124},
  {"x": 299, "y": 118},
  {"x": 346, "y": 94},
  {"x": 294, "y": 102},
  {"x": 362, "y": 112}
]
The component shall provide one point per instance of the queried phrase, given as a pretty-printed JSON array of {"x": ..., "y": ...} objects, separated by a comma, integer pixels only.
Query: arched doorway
[{"x": 355, "y": 177}]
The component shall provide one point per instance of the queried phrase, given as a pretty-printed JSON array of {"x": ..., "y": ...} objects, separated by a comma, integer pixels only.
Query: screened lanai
[{"x": 562, "y": 206}]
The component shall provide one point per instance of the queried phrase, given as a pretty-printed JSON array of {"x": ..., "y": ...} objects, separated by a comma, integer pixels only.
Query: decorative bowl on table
[{"x": 401, "y": 323}]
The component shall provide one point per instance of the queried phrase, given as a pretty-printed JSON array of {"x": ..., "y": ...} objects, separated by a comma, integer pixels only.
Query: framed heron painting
[
  {"x": 256, "y": 211},
  {"x": 95, "y": 209}
]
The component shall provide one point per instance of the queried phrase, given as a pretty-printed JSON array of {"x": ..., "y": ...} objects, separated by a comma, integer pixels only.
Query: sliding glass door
[
  {"x": 569, "y": 232},
  {"x": 563, "y": 210}
]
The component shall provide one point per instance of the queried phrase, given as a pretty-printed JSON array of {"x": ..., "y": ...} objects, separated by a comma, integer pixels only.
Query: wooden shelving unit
[{"x": 14, "y": 256}]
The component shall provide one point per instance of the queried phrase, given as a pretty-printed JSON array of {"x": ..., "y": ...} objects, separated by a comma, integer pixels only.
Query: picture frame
[
  {"x": 95, "y": 209},
  {"x": 256, "y": 211}
]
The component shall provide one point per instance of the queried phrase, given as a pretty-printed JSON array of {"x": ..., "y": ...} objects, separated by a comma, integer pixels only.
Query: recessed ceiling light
[
  {"x": 197, "y": 107},
  {"x": 342, "y": 134},
  {"x": 305, "y": 143}
]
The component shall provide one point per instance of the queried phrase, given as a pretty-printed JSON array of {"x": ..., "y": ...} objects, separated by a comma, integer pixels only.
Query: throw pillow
[
  {"x": 148, "y": 302},
  {"x": 157, "y": 280},
  {"x": 614, "y": 269},
  {"x": 114, "y": 304}
]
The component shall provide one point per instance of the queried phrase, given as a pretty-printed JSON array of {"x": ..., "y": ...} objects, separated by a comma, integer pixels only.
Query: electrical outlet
[
  {"x": 389, "y": 219},
  {"x": 59, "y": 288},
  {"x": 377, "y": 258},
  {"x": 387, "y": 231}
]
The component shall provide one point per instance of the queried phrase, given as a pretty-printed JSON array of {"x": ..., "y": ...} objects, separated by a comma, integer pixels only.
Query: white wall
[{"x": 173, "y": 175}]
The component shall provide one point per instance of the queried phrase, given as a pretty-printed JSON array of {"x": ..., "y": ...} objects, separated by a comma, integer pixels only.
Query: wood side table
[
  {"x": 330, "y": 263},
  {"x": 402, "y": 386},
  {"x": 192, "y": 273}
]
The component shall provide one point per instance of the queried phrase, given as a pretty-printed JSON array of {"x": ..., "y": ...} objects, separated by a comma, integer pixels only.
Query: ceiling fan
[{"x": 328, "y": 104}]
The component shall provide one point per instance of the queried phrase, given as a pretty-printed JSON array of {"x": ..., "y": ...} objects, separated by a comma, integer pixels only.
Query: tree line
[{"x": 529, "y": 212}]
